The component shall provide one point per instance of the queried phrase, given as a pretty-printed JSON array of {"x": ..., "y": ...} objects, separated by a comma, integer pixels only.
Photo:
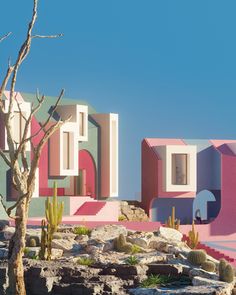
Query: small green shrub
[
  {"x": 197, "y": 257},
  {"x": 132, "y": 260},
  {"x": 208, "y": 266},
  {"x": 122, "y": 218},
  {"x": 26, "y": 251},
  {"x": 135, "y": 249},
  {"x": 85, "y": 261},
  {"x": 155, "y": 280},
  {"x": 82, "y": 230}
]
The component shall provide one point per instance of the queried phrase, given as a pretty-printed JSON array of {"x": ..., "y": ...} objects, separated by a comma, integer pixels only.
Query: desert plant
[
  {"x": 132, "y": 260},
  {"x": 85, "y": 261},
  {"x": 172, "y": 222},
  {"x": 26, "y": 251},
  {"x": 53, "y": 211},
  {"x": 135, "y": 249},
  {"x": 32, "y": 242},
  {"x": 197, "y": 257},
  {"x": 44, "y": 240},
  {"x": 208, "y": 266},
  {"x": 122, "y": 218},
  {"x": 226, "y": 272},
  {"x": 121, "y": 244},
  {"x": 193, "y": 237},
  {"x": 155, "y": 280},
  {"x": 82, "y": 230}
]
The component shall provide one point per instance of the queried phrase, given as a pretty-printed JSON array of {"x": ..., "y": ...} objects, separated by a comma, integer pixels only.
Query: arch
[
  {"x": 200, "y": 204},
  {"x": 87, "y": 169}
]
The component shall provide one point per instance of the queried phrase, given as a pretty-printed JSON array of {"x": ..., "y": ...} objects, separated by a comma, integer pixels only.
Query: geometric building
[
  {"x": 81, "y": 156},
  {"x": 197, "y": 177}
]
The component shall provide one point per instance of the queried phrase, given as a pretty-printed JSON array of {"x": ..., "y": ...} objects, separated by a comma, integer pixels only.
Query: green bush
[
  {"x": 122, "y": 218},
  {"x": 82, "y": 230},
  {"x": 85, "y": 261},
  {"x": 155, "y": 280},
  {"x": 132, "y": 260},
  {"x": 135, "y": 249}
]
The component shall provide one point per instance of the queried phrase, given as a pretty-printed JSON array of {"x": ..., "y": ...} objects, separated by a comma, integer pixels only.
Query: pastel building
[
  {"x": 81, "y": 156},
  {"x": 197, "y": 177}
]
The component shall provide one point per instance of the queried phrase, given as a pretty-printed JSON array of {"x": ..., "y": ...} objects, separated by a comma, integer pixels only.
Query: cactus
[
  {"x": 44, "y": 241},
  {"x": 226, "y": 272},
  {"x": 32, "y": 242},
  {"x": 172, "y": 222},
  {"x": 208, "y": 266},
  {"x": 53, "y": 211},
  {"x": 197, "y": 257},
  {"x": 193, "y": 237},
  {"x": 122, "y": 246}
]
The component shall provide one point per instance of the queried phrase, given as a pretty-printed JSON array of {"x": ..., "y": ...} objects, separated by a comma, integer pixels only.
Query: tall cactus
[
  {"x": 53, "y": 212},
  {"x": 44, "y": 241},
  {"x": 193, "y": 237},
  {"x": 172, "y": 222}
]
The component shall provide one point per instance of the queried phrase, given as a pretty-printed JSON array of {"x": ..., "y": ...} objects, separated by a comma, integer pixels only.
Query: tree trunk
[{"x": 16, "y": 252}]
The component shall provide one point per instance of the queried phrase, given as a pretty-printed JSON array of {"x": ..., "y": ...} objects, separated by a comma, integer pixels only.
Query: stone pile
[
  {"x": 132, "y": 213},
  {"x": 161, "y": 253}
]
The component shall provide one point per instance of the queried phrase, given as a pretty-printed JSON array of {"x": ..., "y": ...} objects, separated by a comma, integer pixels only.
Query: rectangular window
[
  {"x": 66, "y": 150},
  {"x": 81, "y": 124},
  {"x": 179, "y": 169}
]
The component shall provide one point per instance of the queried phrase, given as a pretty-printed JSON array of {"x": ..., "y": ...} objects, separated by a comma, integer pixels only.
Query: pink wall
[{"x": 86, "y": 162}]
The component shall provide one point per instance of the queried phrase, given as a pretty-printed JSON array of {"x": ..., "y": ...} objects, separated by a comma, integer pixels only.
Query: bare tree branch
[
  {"x": 8, "y": 210},
  {"x": 5, "y": 158},
  {"x": 5, "y": 36},
  {"x": 47, "y": 36}
]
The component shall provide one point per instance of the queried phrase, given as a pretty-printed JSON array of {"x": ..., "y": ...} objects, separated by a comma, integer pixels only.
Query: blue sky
[{"x": 167, "y": 67}]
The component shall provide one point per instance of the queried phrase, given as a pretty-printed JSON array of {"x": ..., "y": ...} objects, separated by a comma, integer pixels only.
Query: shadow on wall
[{"x": 161, "y": 209}]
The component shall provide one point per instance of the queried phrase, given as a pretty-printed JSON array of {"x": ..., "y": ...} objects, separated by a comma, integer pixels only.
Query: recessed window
[
  {"x": 67, "y": 151},
  {"x": 81, "y": 124},
  {"x": 179, "y": 169}
]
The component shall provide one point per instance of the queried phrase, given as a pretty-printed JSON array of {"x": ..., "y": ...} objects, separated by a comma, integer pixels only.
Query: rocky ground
[{"x": 161, "y": 254}]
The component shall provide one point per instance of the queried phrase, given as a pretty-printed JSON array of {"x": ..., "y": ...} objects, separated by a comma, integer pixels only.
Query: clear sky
[{"x": 167, "y": 67}]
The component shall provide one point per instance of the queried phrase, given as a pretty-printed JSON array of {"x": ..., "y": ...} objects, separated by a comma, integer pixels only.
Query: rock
[
  {"x": 170, "y": 234},
  {"x": 141, "y": 239},
  {"x": 4, "y": 224},
  {"x": 221, "y": 287},
  {"x": 159, "y": 245},
  {"x": 65, "y": 245},
  {"x": 8, "y": 232},
  {"x": 82, "y": 239},
  {"x": 108, "y": 232},
  {"x": 33, "y": 252},
  {"x": 198, "y": 272},
  {"x": 132, "y": 213},
  {"x": 165, "y": 269},
  {"x": 2, "y": 245}
]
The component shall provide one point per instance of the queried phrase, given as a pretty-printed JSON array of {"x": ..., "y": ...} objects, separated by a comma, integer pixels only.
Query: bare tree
[{"x": 23, "y": 170}]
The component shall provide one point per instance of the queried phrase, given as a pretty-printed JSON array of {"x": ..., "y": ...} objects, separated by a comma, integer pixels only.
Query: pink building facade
[
  {"x": 74, "y": 157},
  {"x": 197, "y": 177}
]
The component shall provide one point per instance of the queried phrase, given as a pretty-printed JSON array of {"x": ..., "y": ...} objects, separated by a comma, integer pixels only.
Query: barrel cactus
[
  {"x": 197, "y": 257},
  {"x": 208, "y": 266},
  {"x": 226, "y": 272}
]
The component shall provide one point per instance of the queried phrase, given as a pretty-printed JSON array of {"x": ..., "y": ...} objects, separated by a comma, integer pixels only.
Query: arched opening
[
  {"x": 85, "y": 183},
  {"x": 205, "y": 206}
]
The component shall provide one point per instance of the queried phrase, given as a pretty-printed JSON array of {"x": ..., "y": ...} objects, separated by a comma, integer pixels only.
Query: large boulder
[
  {"x": 108, "y": 232},
  {"x": 8, "y": 232},
  {"x": 132, "y": 213},
  {"x": 142, "y": 239},
  {"x": 66, "y": 245},
  {"x": 170, "y": 234},
  {"x": 4, "y": 224}
]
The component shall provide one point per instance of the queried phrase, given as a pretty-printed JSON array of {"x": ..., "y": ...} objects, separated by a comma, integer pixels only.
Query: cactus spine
[
  {"x": 193, "y": 237},
  {"x": 197, "y": 257},
  {"x": 53, "y": 211},
  {"x": 172, "y": 222},
  {"x": 226, "y": 272}
]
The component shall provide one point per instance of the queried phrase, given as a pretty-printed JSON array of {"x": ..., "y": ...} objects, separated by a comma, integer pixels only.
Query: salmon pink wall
[{"x": 86, "y": 162}]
